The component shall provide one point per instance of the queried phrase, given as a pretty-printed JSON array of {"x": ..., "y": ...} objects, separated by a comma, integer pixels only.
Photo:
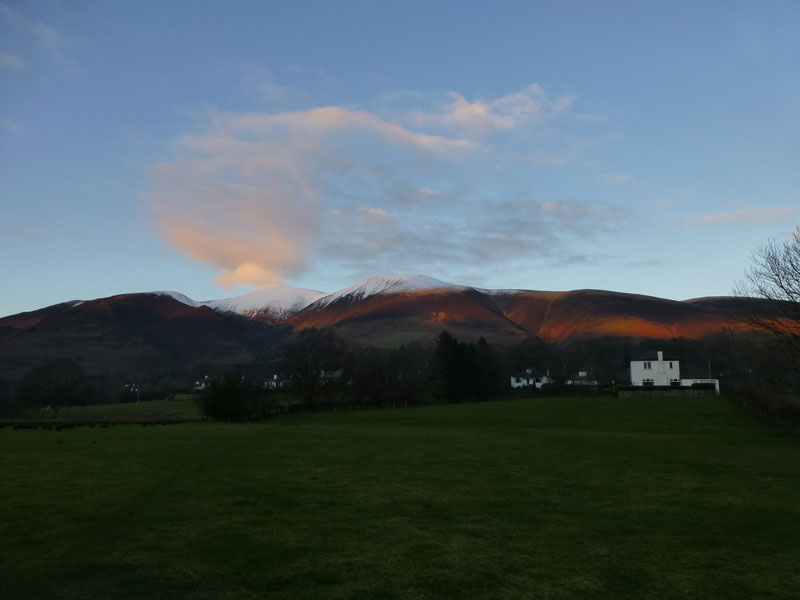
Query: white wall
[
  {"x": 530, "y": 381},
  {"x": 658, "y": 371},
  {"x": 689, "y": 382}
]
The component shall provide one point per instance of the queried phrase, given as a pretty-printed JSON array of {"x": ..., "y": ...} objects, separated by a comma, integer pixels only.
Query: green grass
[{"x": 545, "y": 498}]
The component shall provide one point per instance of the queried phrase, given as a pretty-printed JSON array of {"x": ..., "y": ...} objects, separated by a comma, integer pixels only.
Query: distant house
[
  {"x": 277, "y": 382},
  {"x": 202, "y": 384},
  {"x": 581, "y": 378},
  {"x": 530, "y": 378},
  {"x": 660, "y": 371}
]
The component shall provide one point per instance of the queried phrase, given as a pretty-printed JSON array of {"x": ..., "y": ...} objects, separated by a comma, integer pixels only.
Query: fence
[{"x": 648, "y": 392}]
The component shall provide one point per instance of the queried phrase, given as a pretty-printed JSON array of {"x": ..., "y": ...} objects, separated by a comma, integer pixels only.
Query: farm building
[
  {"x": 530, "y": 378},
  {"x": 660, "y": 371}
]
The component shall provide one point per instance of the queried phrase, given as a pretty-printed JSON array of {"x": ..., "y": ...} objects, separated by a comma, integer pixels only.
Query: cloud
[
  {"x": 745, "y": 214},
  {"x": 486, "y": 236},
  {"x": 12, "y": 62},
  {"x": 10, "y": 126},
  {"x": 263, "y": 197},
  {"x": 44, "y": 36},
  {"x": 330, "y": 119},
  {"x": 17, "y": 233},
  {"x": 531, "y": 105},
  {"x": 263, "y": 82},
  {"x": 374, "y": 214},
  {"x": 247, "y": 195},
  {"x": 616, "y": 178}
]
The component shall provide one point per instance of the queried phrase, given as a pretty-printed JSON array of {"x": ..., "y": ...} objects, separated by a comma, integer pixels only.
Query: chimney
[{"x": 660, "y": 356}]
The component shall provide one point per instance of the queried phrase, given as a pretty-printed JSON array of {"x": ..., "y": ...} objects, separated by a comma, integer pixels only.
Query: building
[
  {"x": 530, "y": 378},
  {"x": 664, "y": 372},
  {"x": 581, "y": 378},
  {"x": 659, "y": 372},
  {"x": 278, "y": 382}
]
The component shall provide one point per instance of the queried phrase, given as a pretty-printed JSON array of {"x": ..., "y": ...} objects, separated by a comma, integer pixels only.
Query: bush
[{"x": 231, "y": 398}]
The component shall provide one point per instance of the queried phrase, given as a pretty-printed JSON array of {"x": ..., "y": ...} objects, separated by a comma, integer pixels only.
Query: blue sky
[{"x": 211, "y": 147}]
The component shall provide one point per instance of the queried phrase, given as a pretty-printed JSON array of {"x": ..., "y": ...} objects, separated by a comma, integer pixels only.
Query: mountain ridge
[
  {"x": 164, "y": 334},
  {"x": 398, "y": 300}
]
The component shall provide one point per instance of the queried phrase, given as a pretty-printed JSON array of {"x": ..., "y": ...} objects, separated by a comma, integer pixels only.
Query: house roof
[{"x": 525, "y": 374}]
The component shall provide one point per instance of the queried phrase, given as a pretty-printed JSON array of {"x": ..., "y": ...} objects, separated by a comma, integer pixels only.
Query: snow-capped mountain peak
[
  {"x": 386, "y": 284},
  {"x": 277, "y": 301}
]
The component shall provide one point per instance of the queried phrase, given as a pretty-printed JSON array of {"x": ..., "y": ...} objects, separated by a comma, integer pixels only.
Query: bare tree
[
  {"x": 770, "y": 291},
  {"x": 56, "y": 384}
]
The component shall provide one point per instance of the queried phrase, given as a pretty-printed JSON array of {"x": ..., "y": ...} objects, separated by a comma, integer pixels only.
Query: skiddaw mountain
[{"x": 166, "y": 333}]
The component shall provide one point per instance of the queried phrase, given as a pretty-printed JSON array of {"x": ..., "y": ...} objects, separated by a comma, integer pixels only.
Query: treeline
[
  {"x": 325, "y": 371},
  {"x": 328, "y": 374}
]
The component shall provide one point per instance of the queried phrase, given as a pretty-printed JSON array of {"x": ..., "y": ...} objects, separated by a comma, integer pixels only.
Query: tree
[
  {"x": 770, "y": 291},
  {"x": 446, "y": 371},
  {"x": 231, "y": 398},
  {"x": 314, "y": 360},
  {"x": 55, "y": 384},
  {"x": 463, "y": 370},
  {"x": 486, "y": 374}
]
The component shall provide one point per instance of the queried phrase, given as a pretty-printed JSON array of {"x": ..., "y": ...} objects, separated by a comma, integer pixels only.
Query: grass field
[{"x": 545, "y": 498}]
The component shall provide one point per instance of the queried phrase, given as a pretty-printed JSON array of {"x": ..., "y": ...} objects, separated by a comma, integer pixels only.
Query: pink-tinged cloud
[
  {"x": 248, "y": 195},
  {"x": 330, "y": 119},
  {"x": 745, "y": 214}
]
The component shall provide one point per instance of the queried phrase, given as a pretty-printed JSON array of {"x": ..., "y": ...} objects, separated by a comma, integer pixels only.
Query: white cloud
[
  {"x": 261, "y": 80},
  {"x": 44, "y": 36},
  {"x": 531, "y": 105},
  {"x": 10, "y": 126},
  {"x": 616, "y": 178},
  {"x": 745, "y": 214},
  {"x": 374, "y": 214},
  {"x": 11, "y": 62}
]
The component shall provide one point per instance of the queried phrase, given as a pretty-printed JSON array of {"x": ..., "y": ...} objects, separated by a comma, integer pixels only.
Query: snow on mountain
[
  {"x": 386, "y": 284},
  {"x": 278, "y": 301},
  {"x": 179, "y": 297}
]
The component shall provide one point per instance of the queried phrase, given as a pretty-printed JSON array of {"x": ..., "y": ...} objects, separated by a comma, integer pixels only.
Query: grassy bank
[{"x": 555, "y": 498}]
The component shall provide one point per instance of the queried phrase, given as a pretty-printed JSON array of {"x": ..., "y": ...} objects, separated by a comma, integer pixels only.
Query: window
[
  {"x": 647, "y": 382},
  {"x": 648, "y": 364},
  {"x": 670, "y": 364}
]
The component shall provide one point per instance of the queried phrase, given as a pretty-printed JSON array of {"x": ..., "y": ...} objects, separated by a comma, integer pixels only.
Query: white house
[
  {"x": 277, "y": 382},
  {"x": 656, "y": 372},
  {"x": 528, "y": 378},
  {"x": 663, "y": 372}
]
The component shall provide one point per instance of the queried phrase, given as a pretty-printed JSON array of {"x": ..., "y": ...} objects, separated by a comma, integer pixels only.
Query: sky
[{"x": 214, "y": 147}]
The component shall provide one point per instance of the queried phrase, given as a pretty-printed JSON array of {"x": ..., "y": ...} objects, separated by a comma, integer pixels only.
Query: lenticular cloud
[
  {"x": 258, "y": 196},
  {"x": 249, "y": 194}
]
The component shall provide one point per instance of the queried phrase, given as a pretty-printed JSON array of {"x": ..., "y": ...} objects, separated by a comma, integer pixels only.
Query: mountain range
[{"x": 167, "y": 333}]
